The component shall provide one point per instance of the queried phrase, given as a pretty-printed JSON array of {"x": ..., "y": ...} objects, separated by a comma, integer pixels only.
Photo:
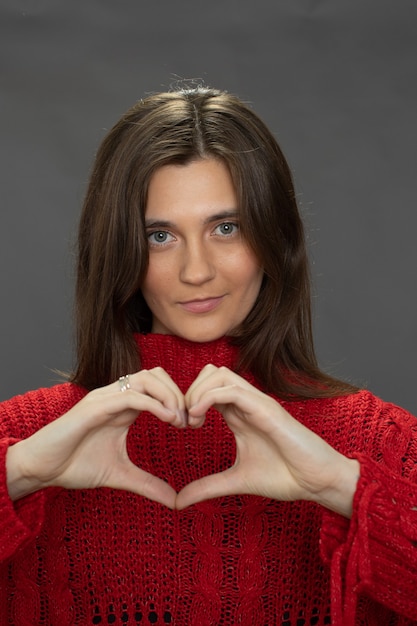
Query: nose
[{"x": 197, "y": 264}]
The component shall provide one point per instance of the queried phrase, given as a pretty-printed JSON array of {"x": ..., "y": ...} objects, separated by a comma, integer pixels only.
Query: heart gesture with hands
[{"x": 277, "y": 457}]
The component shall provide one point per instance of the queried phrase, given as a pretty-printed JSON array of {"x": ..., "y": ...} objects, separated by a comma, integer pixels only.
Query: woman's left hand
[{"x": 277, "y": 457}]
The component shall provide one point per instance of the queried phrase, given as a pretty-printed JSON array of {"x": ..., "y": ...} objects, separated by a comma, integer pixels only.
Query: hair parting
[{"x": 275, "y": 340}]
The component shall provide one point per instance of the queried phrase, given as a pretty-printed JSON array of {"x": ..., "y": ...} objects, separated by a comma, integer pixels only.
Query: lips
[{"x": 201, "y": 305}]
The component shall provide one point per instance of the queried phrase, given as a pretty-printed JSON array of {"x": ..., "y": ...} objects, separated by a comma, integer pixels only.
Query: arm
[
  {"x": 376, "y": 554},
  {"x": 277, "y": 457},
  {"x": 20, "y": 522},
  {"x": 86, "y": 447},
  {"x": 83, "y": 448}
]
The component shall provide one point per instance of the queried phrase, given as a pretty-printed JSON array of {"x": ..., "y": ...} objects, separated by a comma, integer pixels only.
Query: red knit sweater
[{"x": 110, "y": 557}]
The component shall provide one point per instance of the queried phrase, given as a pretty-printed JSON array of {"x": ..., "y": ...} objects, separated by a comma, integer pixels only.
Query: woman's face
[{"x": 202, "y": 279}]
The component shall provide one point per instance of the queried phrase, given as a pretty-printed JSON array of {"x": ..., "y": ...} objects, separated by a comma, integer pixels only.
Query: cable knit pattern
[{"x": 110, "y": 557}]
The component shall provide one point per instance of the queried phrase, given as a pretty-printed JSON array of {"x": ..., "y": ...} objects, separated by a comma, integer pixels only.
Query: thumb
[
  {"x": 138, "y": 481},
  {"x": 215, "y": 486}
]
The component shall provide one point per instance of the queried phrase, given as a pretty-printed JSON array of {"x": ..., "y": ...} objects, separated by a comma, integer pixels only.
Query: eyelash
[
  {"x": 234, "y": 230},
  {"x": 234, "y": 225},
  {"x": 158, "y": 232}
]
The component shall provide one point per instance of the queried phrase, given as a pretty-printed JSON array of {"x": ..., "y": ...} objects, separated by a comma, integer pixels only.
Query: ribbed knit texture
[{"x": 110, "y": 557}]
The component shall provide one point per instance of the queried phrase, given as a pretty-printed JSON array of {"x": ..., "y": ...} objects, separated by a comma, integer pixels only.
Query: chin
[{"x": 201, "y": 336}]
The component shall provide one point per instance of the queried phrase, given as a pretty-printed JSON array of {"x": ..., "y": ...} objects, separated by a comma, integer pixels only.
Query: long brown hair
[{"x": 275, "y": 339}]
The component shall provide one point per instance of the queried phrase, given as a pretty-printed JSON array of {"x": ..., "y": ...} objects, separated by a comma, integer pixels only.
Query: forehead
[{"x": 203, "y": 185}]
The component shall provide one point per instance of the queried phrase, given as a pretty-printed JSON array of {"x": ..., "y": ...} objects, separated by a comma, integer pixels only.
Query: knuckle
[{"x": 93, "y": 395}]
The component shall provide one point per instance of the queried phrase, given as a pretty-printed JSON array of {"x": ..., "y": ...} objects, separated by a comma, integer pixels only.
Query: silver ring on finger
[{"x": 124, "y": 384}]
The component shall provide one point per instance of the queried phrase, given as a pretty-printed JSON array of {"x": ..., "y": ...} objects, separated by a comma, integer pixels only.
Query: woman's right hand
[{"x": 86, "y": 447}]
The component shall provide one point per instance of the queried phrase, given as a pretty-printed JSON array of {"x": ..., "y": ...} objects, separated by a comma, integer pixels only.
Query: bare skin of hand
[
  {"x": 86, "y": 447},
  {"x": 277, "y": 457}
]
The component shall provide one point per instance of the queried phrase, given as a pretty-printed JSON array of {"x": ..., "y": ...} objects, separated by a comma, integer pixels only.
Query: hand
[
  {"x": 277, "y": 457},
  {"x": 86, "y": 447}
]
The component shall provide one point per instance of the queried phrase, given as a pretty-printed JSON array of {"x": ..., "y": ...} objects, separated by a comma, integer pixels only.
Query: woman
[{"x": 223, "y": 478}]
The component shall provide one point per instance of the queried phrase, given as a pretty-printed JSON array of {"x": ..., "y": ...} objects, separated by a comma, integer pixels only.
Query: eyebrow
[{"x": 226, "y": 214}]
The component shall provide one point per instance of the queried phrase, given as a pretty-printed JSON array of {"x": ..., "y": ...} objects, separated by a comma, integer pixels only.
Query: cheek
[
  {"x": 249, "y": 272},
  {"x": 256, "y": 285},
  {"x": 157, "y": 277}
]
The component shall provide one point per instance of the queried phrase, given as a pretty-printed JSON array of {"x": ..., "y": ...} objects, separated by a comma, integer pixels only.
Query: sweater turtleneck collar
[{"x": 183, "y": 359}]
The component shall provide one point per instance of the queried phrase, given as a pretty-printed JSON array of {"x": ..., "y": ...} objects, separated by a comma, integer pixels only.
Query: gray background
[{"x": 336, "y": 82}]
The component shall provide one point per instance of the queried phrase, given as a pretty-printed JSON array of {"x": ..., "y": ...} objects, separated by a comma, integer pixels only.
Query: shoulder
[
  {"x": 356, "y": 422},
  {"x": 362, "y": 405},
  {"x": 366, "y": 406},
  {"x": 26, "y": 413}
]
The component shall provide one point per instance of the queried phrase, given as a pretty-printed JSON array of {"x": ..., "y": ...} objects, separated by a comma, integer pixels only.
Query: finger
[
  {"x": 160, "y": 374},
  {"x": 207, "y": 372},
  {"x": 210, "y": 378},
  {"x": 139, "y": 402},
  {"x": 136, "y": 480},
  {"x": 159, "y": 491},
  {"x": 158, "y": 384},
  {"x": 155, "y": 383},
  {"x": 215, "y": 486},
  {"x": 243, "y": 401},
  {"x": 120, "y": 408},
  {"x": 192, "y": 393}
]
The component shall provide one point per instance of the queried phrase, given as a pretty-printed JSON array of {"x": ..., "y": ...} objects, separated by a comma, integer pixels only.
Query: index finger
[{"x": 212, "y": 377}]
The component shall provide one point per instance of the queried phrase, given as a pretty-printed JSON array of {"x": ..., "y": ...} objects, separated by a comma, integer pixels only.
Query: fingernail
[{"x": 183, "y": 415}]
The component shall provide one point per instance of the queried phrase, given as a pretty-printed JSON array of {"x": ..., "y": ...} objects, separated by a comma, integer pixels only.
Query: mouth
[{"x": 204, "y": 305}]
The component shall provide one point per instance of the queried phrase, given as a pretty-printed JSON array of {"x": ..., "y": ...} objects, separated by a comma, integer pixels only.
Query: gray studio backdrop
[{"x": 335, "y": 80}]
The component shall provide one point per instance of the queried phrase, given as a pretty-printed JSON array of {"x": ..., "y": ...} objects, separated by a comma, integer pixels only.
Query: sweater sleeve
[
  {"x": 21, "y": 416},
  {"x": 19, "y": 521},
  {"x": 375, "y": 553}
]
